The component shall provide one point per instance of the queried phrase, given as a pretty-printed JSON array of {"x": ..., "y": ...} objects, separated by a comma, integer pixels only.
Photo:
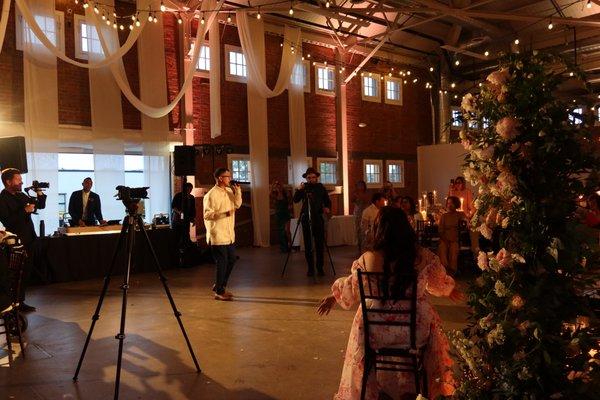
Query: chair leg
[
  {"x": 365, "y": 378},
  {"x": 7, "y": 333},
  {"x": 417, "y": 375},
  {"x": 425, "y": 382},
  {"x": 19, "y": 333}
]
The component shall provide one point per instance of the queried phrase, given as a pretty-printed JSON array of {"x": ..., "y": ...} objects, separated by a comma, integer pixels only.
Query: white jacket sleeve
[
  {"x": 210, "y": 213},
  {"x": 237, "y": 201}
]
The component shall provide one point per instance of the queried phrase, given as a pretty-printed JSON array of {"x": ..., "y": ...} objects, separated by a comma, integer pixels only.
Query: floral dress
[{"x": 432, "y": 279}]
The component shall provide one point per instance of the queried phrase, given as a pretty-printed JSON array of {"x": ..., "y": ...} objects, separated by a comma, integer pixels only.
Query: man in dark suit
[
  {"x": 84, "y": 206},
  {"x": 315, "y": 201},
  {"x": 15, "y": 214},
  {"x": 184, "y": 214}
]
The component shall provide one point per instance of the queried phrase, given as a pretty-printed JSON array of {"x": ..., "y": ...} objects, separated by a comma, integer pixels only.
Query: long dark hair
[
  {"x": 396, "y": 239},
  {"x": 413, "y": 206}
]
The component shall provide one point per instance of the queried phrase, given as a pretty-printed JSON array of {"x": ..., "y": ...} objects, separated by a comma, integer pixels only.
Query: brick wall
[{"x": 391, "y": 131}]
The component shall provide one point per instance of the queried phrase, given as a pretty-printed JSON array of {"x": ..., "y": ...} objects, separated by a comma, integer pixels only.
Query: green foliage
[{"x": 532, "y": 332}]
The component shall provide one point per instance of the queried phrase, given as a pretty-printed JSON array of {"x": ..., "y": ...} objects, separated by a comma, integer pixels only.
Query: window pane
[
  {"x": 133, "y": 163},
  {"x": 76, "y": 162}
]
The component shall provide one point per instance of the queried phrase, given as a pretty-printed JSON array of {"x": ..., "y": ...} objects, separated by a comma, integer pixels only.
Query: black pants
[
  {"x": 224, "y": 260},
  {"x": 318, "y": 234}
]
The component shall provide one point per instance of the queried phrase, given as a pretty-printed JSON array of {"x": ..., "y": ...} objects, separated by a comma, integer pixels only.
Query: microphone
[{"x": 234, "y": 182}]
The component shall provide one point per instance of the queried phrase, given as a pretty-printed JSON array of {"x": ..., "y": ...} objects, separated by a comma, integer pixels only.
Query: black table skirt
[{"x": 73, "y": 258}]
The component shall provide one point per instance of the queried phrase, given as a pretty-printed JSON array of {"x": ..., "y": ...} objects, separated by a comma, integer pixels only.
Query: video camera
[
  {"x": 35, "y": 186},
  {"x": 128, "y": 194}
]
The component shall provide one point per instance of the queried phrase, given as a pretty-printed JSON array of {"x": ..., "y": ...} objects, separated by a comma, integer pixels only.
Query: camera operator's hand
[{"x": 29, "y": 208}]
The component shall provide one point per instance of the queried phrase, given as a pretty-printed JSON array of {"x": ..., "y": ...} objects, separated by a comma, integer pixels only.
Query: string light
[
  {"x": 415, "y": 80},
  {"x": 162, "y": 7},
  {"x": 291, "y": 8},
  {"x": 229, "y": 18},
  {"x": 550, "y": 25},
  {"x": 571, "y": 73},
  {"x": 85, "y": 5},
  {"x": 327, "y": 4},
  {"x": 589, "y": 4},
  {"x": 517, "y": 41},
  {"x": 453, "y": 85},
  {"x": 121, "y": 27},
  {"x": 96, "y": 10},
  {"x": 130, "y": 27},
  {"x": 150, "y": 17},
  {"x": 308, "y": 56},
  {"x": 115, "y": 14},
  {"x": 430, "y": 69},
  {"x": 408, "y": 73},
  {"x": 405, "y": 81},
  {"x": 115, "y": 25},
  {"x": 457, "y": 62},
  {"x": 76, "y": 1},
  {"x": 138, "y": 23},
  {"x": 202, "y": 21},
  {"x": 258, "y": 15},
  {"x": 486, "y": 53},
  {"x": 108, "y": 22},
  {"x": 179, "y": 20},
  {"x": 155, "y": 20},
  {"x": 103, "y": 17}
]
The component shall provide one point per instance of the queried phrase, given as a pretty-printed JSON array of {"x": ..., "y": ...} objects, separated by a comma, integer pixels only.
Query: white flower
[
  {"x": 500, "y": 289},
  {"x": 482, "y": 261},
  {"x": 518, "y": 258},
  {"x": 524, "y": 374},
  {"x": 507, "y": 128},
  {"x": 505, "y": 222},
  {"x": 498, "y": 77},
  {"x": 468, "y": 103},
  {"x": 486, "y": 231},
  {"x": 496, "y": 335},
  {"x": 553, "y": 252},
  {"x": 506, "y": 181},
  {"x": 477, "y": 204},
  {"x": 486, "y": 322}
]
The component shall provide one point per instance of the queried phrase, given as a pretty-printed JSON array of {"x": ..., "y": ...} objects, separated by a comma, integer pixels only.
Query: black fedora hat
[{"x": 311, "y": 170}]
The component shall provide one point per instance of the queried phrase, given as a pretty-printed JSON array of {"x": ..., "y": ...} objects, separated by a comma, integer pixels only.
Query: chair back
[
  {"x": 16, "y": 255},
  {"x": 375, "y": 286}
]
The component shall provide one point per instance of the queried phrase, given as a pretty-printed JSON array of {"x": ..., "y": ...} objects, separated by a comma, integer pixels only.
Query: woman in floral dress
[{"x": 395, "y": 247}]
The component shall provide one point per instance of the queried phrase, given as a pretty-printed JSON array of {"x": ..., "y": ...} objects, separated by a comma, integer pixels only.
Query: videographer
[
  {"x": 315, "y": 201},
  {"x": 16, "y": 208},
  {"x": 220, "y": 204}
]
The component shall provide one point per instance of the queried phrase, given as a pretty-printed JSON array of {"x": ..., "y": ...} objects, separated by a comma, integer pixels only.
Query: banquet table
[{"x": 340, "y": 231}]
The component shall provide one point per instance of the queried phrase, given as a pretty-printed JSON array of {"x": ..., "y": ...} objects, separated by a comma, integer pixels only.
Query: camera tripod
[
  {"x": 127, "y": 235},
  {"x": 307, "y": 212}
]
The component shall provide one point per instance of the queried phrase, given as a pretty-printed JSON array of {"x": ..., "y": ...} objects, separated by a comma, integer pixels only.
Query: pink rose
[
  {"x": 503, "y": 257},
  {"x": 507, "y": 128},
  {"x": 482, "y": 261},
  {"x": 499, "y": 78},
  {"x": 517, "y": 302}
]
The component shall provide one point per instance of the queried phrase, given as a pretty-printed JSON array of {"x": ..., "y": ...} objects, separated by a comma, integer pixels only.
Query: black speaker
[
  {"x": 184, "y": 160},
  {"x": 12, "y": 153}
]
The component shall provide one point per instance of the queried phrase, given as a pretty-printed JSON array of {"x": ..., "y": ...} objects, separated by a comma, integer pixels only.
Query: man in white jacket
[{"x": 220, "y": 204}]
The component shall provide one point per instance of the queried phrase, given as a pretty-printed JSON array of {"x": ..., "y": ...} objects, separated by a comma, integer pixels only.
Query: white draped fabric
[
  {"x": 297, "y": 122},
  {"x": 41, "y": 113},
  {"x": 252, "y": 38},
  {"x": 119, "y": 72},
  {"x": 4, "y": 21},
  {"x": 107, "y": 123},
  {"x": 28, "y": 15},
  {"x": 215, "y": 77},
  {"x": 155, "y": 131}
]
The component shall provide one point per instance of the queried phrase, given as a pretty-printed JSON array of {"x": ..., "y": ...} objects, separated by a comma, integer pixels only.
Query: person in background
[
  {"x": 378, "y": 201},
  {"x": 395, "y": 253},
  {"x": 592, "y": 215},
  {"x": 360, "y": 198},
  {"x": 282, "y": 202},
  {"x": 407, "y": 204},
  {"x": 313, "y": 194},
  {"x": 220, "y": 204},
  {"x": 15, "y": 214},
  {"x": 388, "y": 191},
  {"x": 84, "y": 206},
  {"x": 449, "y": 231},
  {"x": 184, "y": 215},
  {"x": 461, "y": 191}
]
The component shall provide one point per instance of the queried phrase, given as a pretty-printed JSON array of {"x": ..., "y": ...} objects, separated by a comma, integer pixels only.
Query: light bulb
[
  {"x": 115, "y": 25},
  {"x": 76, "y": 1},
  {"x": 405, "y": 81},
  {"x": 571, "y": 73},
  {"x": 487, "y": 53},
  {"x": 103, "y": 17},
  {"x": 228, "y": 18},
  {"x": 453, "y": 85},
  {"x": 162, "y": 7},
  {"x": 121, "y": 27},
  {"x": 130, "y": 27},
  {"x": 133, "y": 18},
  {"x": 155, "y": 20},
  {"x": 202, "y": 21},
  {"x": 327, "y": 4},
  {"x": 115, "y": 14},
  {"x": 150, "y": 18},
  {"x": 408, "y": 73},
  {"x": 457, "y": 63},
  {"x": 517, "y": 41},
  {"x": 85, "y": 5},
  {"x": 589, "y": 4},
  {"x": 308, "y": 56},
  {"x": 430, "y": 69},
  {"x": 96, "y": 10},
  {"x": 291, "y": 11},
  {"x": 550, "y": 25},
  {"x": 138, "y": 23},
  {"x": 258, "y": 15},
  {"x": 108, "y": 22},
  {"x": 179, "y": 20}
]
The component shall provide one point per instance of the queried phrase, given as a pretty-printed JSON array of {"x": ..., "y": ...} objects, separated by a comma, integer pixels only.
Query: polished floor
[{"x": 267, "y": 344}]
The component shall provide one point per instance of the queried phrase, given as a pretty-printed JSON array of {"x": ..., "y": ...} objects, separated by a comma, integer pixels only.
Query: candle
[
  {"x": 435, "y": 197},
  {"x": 420, "y": 205},
  {"x": 461, "y": 203}
]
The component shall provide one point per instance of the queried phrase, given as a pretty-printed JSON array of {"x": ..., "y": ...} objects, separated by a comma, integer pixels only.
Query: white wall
[{"x": 437, "y": 164}]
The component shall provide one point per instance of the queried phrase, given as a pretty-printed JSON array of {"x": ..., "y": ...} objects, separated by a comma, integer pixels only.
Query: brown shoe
[{"x": 222, "y": 297}]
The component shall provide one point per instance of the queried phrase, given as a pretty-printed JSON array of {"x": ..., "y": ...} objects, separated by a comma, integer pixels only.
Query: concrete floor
[{"x": 267, "y": 344}]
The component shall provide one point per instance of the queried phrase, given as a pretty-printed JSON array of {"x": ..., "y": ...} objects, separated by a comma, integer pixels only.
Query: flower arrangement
[{"x": 530, "y": 166}]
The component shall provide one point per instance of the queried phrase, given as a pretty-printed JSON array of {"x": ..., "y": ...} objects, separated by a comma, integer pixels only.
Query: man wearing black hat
[{"x": 316, "y": 202}]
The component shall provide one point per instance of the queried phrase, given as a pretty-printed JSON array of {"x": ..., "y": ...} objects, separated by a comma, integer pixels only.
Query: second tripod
[
  {"x": 130, "y": 223},
  {"x": 307, "y": 213}
]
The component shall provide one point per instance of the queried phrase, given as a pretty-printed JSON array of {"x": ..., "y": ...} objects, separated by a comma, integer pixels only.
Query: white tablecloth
[{"x": 340, "y": 231}]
